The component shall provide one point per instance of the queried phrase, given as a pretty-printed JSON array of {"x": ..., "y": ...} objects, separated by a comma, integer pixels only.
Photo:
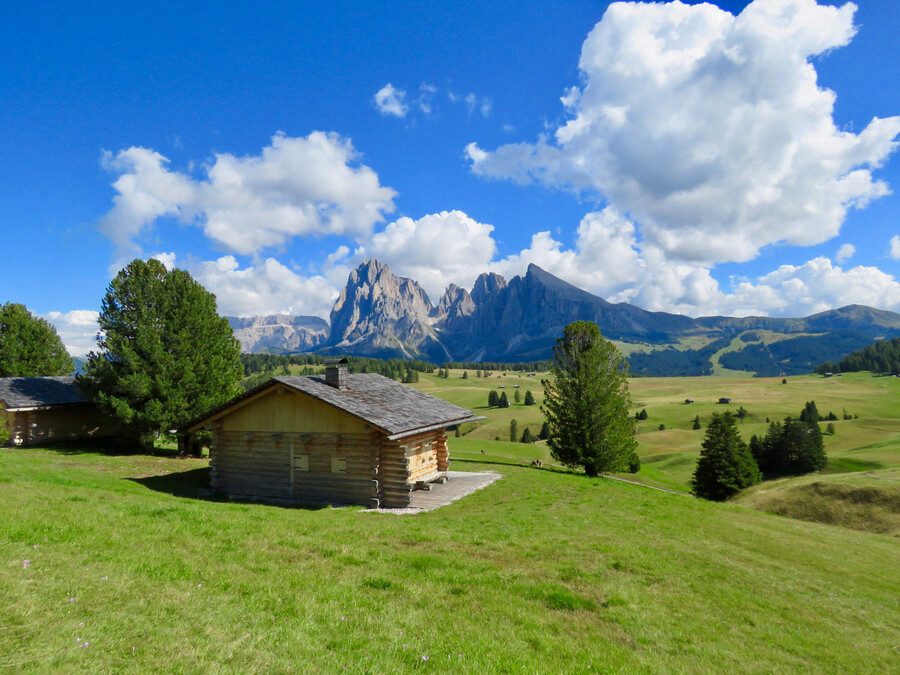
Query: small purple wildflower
[
  {"x": 424, "y": 658},
  {"x": 72, "y": 599},
  {"x": 26, "y": 563}
]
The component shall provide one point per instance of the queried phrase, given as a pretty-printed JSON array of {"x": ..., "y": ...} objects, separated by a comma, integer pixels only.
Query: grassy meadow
[
  {"x": 120, "y": 563},
  {"x": 868, "y": 442}
]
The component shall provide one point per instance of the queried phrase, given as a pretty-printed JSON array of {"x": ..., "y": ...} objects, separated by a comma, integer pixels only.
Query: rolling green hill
[{"x": 120, "y": 563}]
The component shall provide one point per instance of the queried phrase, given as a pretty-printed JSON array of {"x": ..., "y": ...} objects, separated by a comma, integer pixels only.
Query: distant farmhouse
[
  {"x": 348, "y": 438},
  {"x": 725, "y": 400},
  {"x": 47, "y": 409}
]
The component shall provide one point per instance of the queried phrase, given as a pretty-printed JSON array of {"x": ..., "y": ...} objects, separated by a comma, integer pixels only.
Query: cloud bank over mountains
[
  {"x": 709, "y": 130},
  {"x": 696, "y": 138}
]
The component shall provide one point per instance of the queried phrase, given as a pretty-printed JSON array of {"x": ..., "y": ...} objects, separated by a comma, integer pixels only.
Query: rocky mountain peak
[
  {"x": 487, "y": 285},
  {"x": 380, "y": 312}
]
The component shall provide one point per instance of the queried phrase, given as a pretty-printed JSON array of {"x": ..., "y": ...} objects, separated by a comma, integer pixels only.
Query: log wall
[
  {"x": 306, "y": 467},
  {"x": 293, "y": 447},
  {"x": 81, "y": 422},
  {"x": 406, "y": 461}
]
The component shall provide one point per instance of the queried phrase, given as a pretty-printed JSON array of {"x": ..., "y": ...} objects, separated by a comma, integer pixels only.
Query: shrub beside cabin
[
  {"x": 50, "y": 409},
  {"x": 350, "y": 438}
]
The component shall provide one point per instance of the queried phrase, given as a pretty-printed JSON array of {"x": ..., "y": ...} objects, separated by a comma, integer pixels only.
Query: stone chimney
[{"x": 336, "y": 373}]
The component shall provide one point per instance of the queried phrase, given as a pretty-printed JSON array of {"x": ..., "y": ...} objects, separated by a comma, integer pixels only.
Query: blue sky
[{"x": 701, "y": 159}]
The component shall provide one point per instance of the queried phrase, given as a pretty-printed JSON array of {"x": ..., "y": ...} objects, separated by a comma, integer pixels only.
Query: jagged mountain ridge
[
  {"x": 279, "y": 333},
  {"x": 384, "y": 315}
]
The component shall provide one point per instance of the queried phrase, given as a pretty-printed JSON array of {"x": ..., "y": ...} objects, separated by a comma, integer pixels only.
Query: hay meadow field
[{"x": 120, "y": 562}]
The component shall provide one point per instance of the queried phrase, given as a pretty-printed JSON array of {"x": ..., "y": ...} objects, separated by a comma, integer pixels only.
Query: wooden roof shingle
[
  {"x": 395, "y": 408},
  {"x": 39, "y": 392}
]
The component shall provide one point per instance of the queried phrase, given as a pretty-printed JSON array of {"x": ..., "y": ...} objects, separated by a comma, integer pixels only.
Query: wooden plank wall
[
  {"x": 408, "y": 460},
  {"x": 32, "y": 427},
  {"x": 298, "y": 465},
  {"x": 263, "y": 464}
]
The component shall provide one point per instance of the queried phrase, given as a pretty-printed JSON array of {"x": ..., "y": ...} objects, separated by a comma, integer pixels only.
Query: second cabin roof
[{"x": 395, "y": 408}]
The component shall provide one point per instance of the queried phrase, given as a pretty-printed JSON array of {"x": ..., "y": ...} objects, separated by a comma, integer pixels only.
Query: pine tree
[
  {"x": 725, "y": 466},
  {"x": 165, "y": 355},
  {"x": 526, "y": 436},
  {"x": 529, "y": 398},
  {"x": 493, "y": 399},
  {"x": 545, "y": 431},
  {"x": 513, "y": 430},
  {"x": 465, "y": 375},
  {"x": 517, "y": 397},
  {"x": 586, "y": 402},
  {"x": 697, "y": 422},
  {"x": 30, "y": 346},
  {"x": 504, "y": 402}
]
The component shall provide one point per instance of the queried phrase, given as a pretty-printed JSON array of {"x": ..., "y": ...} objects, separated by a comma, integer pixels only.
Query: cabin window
[
  {"x": 338, "y": 465},
  {"x": 301, "y": 462}
]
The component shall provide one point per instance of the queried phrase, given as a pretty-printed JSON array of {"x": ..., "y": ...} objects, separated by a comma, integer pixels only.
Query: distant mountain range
[{"x": 383, "y": 315}]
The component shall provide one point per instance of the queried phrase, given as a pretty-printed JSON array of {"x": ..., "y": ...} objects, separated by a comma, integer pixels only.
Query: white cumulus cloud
[
  {"x": 77, "y": 329},
  {"x": 391, "y": 101},
  {"x": 844, "y": 253},
  {"x": 267, "y": 288},
  {"x": 816, "y": 286},
  {"x": 709, "y": 130},
  {"x": 435, "y": 250},
  {"x": 296, "y": 187},
  {"x": 895, "y": 247}
]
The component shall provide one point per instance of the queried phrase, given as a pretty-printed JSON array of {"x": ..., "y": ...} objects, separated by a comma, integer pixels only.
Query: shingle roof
[
  {"x": 395, "y": 408},
  {"x": 39, "y": 392}
]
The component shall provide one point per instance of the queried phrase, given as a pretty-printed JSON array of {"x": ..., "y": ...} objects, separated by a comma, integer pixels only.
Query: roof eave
[{"x": 432, "y": 427}]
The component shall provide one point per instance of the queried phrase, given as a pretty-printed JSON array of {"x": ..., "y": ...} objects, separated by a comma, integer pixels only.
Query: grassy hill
[
  {"x": 120, "y": 564},
  {"x": 870, "y": 441}
]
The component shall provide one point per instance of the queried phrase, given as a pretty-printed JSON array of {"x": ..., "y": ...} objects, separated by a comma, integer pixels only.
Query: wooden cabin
[
  {"x": 344, "y": 438},
  {"x": 39, "y": 410},
  {"x": 725, "y": 401}
]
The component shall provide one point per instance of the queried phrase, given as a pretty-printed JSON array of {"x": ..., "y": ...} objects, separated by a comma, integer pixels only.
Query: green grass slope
[
  {"x": 115, "y": 564},
  {"x": 867, "y": 500},
  {"x": 868, "y": 442}
]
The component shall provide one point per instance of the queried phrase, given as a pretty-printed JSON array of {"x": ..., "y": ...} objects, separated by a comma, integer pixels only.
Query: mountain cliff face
[
  {"x": 279, "y": 333},
  {"x": 381, "y": 314},
  {"x": 522, "y": 319}
]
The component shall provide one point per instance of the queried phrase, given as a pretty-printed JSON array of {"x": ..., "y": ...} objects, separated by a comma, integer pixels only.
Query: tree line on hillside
[
  {"x": 727, "y": 464},
  {"x": 260, "y": 367},
  {"x": 496, "y": 400},
  {"x": 880, "y": 357},
  {"x": 795, "y": 356},
  {"x": 676, "y": 362},
  {"x": 522, "y": 367}
]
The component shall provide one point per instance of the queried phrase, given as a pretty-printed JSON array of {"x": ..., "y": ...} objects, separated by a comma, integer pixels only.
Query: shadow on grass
[{"x": 194, "y": 484}]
